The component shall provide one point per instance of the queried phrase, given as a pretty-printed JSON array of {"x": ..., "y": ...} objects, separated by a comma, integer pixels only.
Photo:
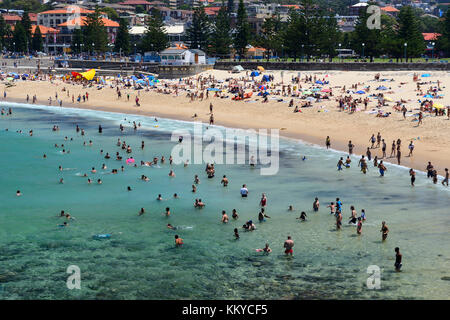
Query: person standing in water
[
  {"x": 445, "y": 181},
  {"x": 384, "y": 230},
  {"x": 398, "y": 259},
  {"x": 350, "y": 147},
  {"x": 328, "y": 142},
  {"x": 316, "y": 204},
  {"x": 178, "y": 241},
  {"x": 412, "y": 173},
  {"x": 288, "y": 245}
]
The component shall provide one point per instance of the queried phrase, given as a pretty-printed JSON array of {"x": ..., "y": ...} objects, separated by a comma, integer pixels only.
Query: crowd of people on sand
[{"x": 336, "y": 208}]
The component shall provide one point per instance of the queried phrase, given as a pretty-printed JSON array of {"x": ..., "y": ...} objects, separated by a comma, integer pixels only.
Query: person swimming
[
  {"x": 266, "y": 249},
  {"x": 302, "y": 216}
]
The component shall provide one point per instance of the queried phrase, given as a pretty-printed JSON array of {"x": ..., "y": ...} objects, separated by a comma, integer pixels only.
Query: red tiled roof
[
  {"x": 68, "y": 9},
  {"x": 44, "y": 30},
  {"x": 135, "y": 3},
  {"x": 81, "y": 21},
  {"x": 390, "y": 9},
  {"x": 431, "y": 36},
  {"x": 11, "y": 17}
]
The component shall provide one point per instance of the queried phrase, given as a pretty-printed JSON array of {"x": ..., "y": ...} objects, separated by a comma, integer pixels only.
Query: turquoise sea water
[{"x": 140, "y": 260}]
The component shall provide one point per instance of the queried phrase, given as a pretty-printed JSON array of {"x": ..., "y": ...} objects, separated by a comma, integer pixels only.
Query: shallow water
[{"x": 140, "y": 260}]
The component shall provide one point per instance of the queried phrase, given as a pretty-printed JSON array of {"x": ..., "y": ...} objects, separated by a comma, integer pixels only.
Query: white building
[{"x": 179, "y": 56}]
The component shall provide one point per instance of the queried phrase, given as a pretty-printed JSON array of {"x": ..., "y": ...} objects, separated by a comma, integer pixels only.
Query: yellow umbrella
[
  {"x": 88, "y": 75},
  {"x": 388, "y": 99},
  {"x": 260, "y": 68}
]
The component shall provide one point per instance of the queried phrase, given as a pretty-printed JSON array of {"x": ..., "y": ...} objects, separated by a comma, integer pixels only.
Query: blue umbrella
[
  {"x": 382, "y": 88},
  {"x": 319, "y": 82},
  {"x": 360, "y": 92},
  {"x": 425, "y": 75},
  {"x": 428, "y": 96},
  {"x": 266, "y": 78},
  {"x": 213, "y": 89},
  {"x": 254, "y": 74}
]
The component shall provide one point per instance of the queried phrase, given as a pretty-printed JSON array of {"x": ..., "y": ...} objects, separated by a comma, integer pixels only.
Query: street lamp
[
  {"x": 363, "y": 45},
  {"x": 302, "y": 51},
  {"x": 432, "y": 50},
  {"x": 340, "y": 50},
  {"x": 405, "y": 44}
]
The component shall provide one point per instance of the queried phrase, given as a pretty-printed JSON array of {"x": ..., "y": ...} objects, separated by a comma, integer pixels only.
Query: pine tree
[
  {"x": 370, "y": 37},
  {"x": 230, "y": 6},
  {"x": 26, "y": 23},
  {"x": 123, "y": 38},
  {"x": 221, "y": 35},
  {"x": 37, "y": 43},
  {"x": 292, "y": 34},
  {"x": 443, "y": 42},
  {"x": 19, "y": 38},
  {"x": 200, "y": 30},
  {"x": 94, "y": 32},
  {"x": 242, "y": 35},
  {"x": 409, "y": 32},
  {"x": 4, "y": 33},
  {"x": 155, "y": 37},
  {"x": 77, "y": 40},
  {"x": 271, "y": 34}
]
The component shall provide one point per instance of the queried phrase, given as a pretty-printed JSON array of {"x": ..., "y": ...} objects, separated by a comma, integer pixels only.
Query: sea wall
[{"x": 345, "y": 66}]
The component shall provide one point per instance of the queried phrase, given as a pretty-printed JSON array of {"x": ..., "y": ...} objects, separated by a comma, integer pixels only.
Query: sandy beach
[{"x": 313, "y": 124}]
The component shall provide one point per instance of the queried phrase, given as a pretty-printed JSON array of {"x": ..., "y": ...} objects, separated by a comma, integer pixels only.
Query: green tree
[
  {"x": 94, "y": 32},
  {"x": 199, "y": 31},
  {"x": 26, "y": 23},
  {"x": 389, "y": 41},
  {"x": 443, "y": 42},
  {"x": 221, "y": 34},
  {"x": 409, "y": 32},
  {"x": 292, "y": 34},
  {"x": 77, "y": 40},
  {"x": 370, "y": 37},
  {"x": 155, "y": 37},
  {"x": 5, "y": 33},
  {"x": 19, "y": 38},
  {"x": 37, "y": 43},
  {"x": 122, "y": 43},
  {"x": 111, "y": 13},
  {"x": 271, "y": 34},
  {"x": 242, "y": 35}
]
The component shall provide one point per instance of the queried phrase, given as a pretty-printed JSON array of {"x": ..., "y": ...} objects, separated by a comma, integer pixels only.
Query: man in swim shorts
[{"x": 288, "y": 245}]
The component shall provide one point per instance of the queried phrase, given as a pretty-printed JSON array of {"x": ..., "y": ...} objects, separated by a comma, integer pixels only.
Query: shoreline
[
  {"x": 303, "y": 138},
  {"x": 311, "y": 125}
]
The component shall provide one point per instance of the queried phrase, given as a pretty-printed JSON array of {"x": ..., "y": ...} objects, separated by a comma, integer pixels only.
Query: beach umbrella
[
  {"x": 426, "y": 75},
  {"x": 260, "y": 68},
  {"x": 265, "y": 78},
  {"x": 315, "y": 89},
  {"x": 238, "y": 68},
  {"x": 388, "y": 99},
  {"x": 254, "y": 74},
  {"x": 262, "y": 88},
  {"x": 360, "y": 92},
  {"x": 319, "y": 82},
  {"x": 382, "y": 88},
  {"x": 428, "y": 96},
  {"x": 438, "y": 106},
  {"x": 325, "y": 90},
  {"x": 10, "y": 79},
  {"x": 213, "y": 89},
  {"x": 307, "y": 92}
]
